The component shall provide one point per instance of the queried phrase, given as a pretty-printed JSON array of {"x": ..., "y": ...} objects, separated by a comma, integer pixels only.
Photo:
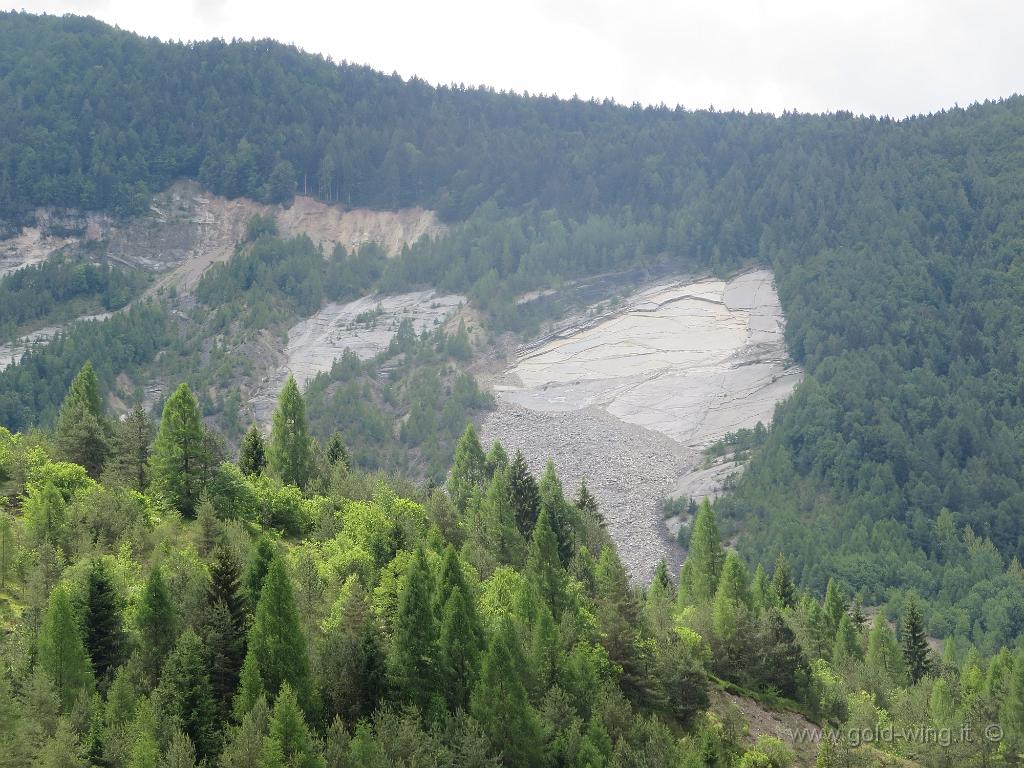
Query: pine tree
[
  {"x": 181, "y": 458},
  {"x": 252, "y": 456},
  {"x": 412, "y": 661},
  {"x": 129, "y": 456},
  {"x": 186, "y": 696},
  {"x": 916, "y": 654},
  {"x": 276, "y": 640},
  {"x": 500, "y": 704},
  {"x": 704, "y": 558},
  {"x": 289, "y": 736},
  {"x": 181, "y": 753},
  {"x": 290, "y": 454},
  {"x": 81, "y": 429},
  {"x": 524, "y": 493},
  {"x": 223, "y": 628},
  {"x": 102, "y": 623},
  {"x": 62, "y": 654},
  {"x": 469, "y": 469},
  {"x": 782, "y": 586},
  {"x": 156, "y": 622}
]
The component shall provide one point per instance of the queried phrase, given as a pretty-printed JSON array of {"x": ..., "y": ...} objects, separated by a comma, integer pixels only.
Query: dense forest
[
  {"x": 895, "y": 469},
  {"x": 165, "y": 606}
]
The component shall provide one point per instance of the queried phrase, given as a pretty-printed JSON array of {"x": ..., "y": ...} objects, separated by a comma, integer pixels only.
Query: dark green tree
[
  {"x": 525, "y": 494},
  {"x": 181, "y": 460},
  {"x": 289, "y": 738},
  {"x": 186, "y": 695},
  {"x": 129, "y": 456},
  {"x": 782, "y": 587},
  {"x": 412, "y": 660},
  {"x": 252, "y": 456},
  {"x": 290, "y": 454},
  {"x": 224, "y": 625},
  {"x": 156, "y": 624},
  {"x": 337, "y": 452},
  {"x": 82, "y": 432},
  {"x": 544, "y": 566},
  {"x": 102, "y": 623},
  {"x": 256, "y": 571},
  {"x": 705, "y": 557},
  {"x": 914, "y": 640}
]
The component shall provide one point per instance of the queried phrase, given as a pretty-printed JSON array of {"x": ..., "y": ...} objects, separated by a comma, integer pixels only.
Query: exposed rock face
[
  {"x": 682, "y": 362},
  {"x": 366, "y": 326}
]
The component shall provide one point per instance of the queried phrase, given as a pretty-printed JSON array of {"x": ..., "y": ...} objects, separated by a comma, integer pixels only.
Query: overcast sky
[{"x": 869, "y": 56}]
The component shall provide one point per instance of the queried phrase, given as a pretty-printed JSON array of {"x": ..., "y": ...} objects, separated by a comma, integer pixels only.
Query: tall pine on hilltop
[
  {"x": 290, "y": 455},
  {"x": 181, "y": 459},
  {"x": 81, "y": 428}
]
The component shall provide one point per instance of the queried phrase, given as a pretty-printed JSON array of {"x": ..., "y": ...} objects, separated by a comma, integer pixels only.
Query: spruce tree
[
  {"x": 782, "y": 586},
  {"x": 704, "y": 558},
  {"x": 1011, "y": 712},
  {"x": 916, "y": 654},
  {"x": 469, "y": 469},
  {"x": 732, "y": 618},
  {"x": 276, "y": 640},
  {"x": 290, "y": 454},
  {"x": 619, "y": 616},
  {"x": 81, "y": 428},
  {"x": 186, "y": 696},
  {"x": 412, "y": 661},
  {"x": 500, "y": 704},
  {"x": 498, "y": 528},
  {"x": 180, "y": 463},
  {"x": 224, "y": 625},
  {"x": 62, "y": 653},
  {"x": 102, "y": 623},
  {"x": 524, "y": 493},
  {"x": 337, "y": 453},
  {"x": 129, "y": 456},
  {"x": 156, "y": 623},
  {"x": 252, "y": 456},
  {"x": 780, "y": 659}
]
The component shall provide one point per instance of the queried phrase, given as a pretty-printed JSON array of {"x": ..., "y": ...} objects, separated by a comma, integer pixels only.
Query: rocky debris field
[
  {"x": 627, "y": 468},
  {"x": 644, "y": 389}
]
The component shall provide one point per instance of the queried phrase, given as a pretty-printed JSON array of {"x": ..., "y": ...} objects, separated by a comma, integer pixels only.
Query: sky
[{"x": 876, "y": 57}]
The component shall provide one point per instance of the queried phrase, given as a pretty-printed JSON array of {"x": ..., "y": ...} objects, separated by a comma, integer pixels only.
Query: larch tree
[
  {"x": 82, "y": 431},
  {"x": 412, "y": 660},
  {"x": 704, "y": 558},
  {"x": 156, "y": 623},
  {"x": 783, "y": 590},
  {"x": 180, "y": 464},
  {"x": 469, "y": 469},
  {"x": 290, "y": 454},
  {"x": 276, "y": 641},
  {"x": 62, "y": 652}
]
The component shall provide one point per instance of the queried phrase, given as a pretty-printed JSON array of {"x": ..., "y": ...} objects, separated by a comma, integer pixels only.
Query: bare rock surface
[
  {"x": 680, "y": 363},
  {"x": 366, "y": 326}
]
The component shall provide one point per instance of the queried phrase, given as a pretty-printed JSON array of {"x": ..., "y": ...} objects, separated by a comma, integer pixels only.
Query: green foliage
[
  {"x": 413, "y": 655},
  {"x": 252, "y": 456},
  {"x": 62, "y": 653},
  {"x": 129, "y": 454},
  {"x": 916, "y": 653},
  {"x": 704, "y": 559},
  {"x": 156, "y": 623},
  {"x": 290, "y": 453},
  {"x": 102, "y": 623},
  {"x": 186, "y": 695},
  {"x": 180, "y": 464}
]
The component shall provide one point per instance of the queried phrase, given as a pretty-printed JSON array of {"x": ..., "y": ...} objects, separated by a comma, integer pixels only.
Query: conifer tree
[
  {"x": 155, "y": 621},
  {"x": 544, "y": 565},
  {"x": 145, "y": 751},
  {"x": 289, "y": 735},
  {"x": 276, "y": 640},
  {"x": 290, "y": 454},
  {"x": 587, "y": 504},
  {"x": 62, "y": 654},
  {"x": 659, "y": 601},
  {"x": 500, "y": 703},
  {"x": 102, "y": 623},
  {"x": 224, "y": 625},
  {"x": 458, "y": 649},
  {"x": 780, "y": 658},
  {"x": 337, "y": 453},
  {"x": 916, "y": 654},
  {"x": 619, "y": 615},
  {"x": 8, "y": 547},
  {"x": 759, "y": 589},
  {"x": 561, "y": 515},
  {"x": 180, "y": 463},
  {"x": 1011, "y": 713},
  {"x": 834, "y": 606},
  {"x": 469, "y": 469},
  {"x": 498, "y": 530},
  {"x": 883, "y": 659},
  {"x": 732, "y": 617},
  {"x": 351, "y": 661},
  {"x": 252, "y": 456},
  {"x": 412, "y": 660},
  {"x": 45, "y": 513},
  {"x": 496, "y": 459},
  {"x": 782, "y": 586},
  {"x": 256, "y": 571},
  {"x": 186, "y": 696},
  {"x": 181, "y": 752},
  {"x": 129, "y": 455},
  {"x": 524, "y": 493},
  {"x": 81, "y": 428},
  {"x": 704, "y": 558},
  {"x": 846, "y": 648},
  {"x": 250, "y": 688}
]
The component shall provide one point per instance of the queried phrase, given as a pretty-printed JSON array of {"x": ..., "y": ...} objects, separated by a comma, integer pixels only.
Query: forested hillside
[
  {"x": 165, "y": 606},
  {"x": 897, "y": 246}
]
